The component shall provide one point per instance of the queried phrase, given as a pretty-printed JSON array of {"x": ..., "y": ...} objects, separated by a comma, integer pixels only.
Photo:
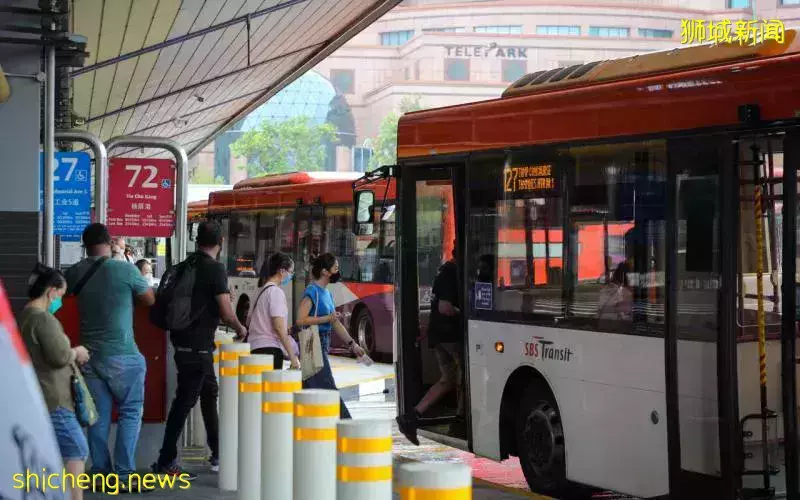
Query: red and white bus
[
  {"x": 307, "y": 214},
  {"x": 636, "y": 331}
]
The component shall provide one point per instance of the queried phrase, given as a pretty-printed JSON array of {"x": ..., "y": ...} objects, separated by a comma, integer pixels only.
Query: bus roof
[
  {"x": 651, "y": 93},
  {"x": 286, "y": 190},
  {"x": 295, "y": 178}
]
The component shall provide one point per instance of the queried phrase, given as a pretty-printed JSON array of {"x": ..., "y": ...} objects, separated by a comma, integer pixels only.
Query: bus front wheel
[{"x": 540, "y": 438}]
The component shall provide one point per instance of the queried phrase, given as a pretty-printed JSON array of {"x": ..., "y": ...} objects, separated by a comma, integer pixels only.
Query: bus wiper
[{"x": 382, "y": 172}]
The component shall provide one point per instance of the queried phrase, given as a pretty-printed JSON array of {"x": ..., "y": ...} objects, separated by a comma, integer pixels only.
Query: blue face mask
[
  {"x": 55, "y": 305},
  {"x": 285, "y": 281}
]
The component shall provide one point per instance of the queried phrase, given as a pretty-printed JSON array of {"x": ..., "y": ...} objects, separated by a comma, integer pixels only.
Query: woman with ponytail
[{"x": 53, "y": 359}]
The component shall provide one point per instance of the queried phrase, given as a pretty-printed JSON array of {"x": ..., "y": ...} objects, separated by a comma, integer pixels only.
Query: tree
[
  {"x": 295, "y": 144},
  {"x": 384, "y": 151},
  {"x": 206, "y": 178}
]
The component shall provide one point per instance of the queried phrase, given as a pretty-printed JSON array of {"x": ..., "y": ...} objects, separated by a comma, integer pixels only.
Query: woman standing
[
  {"x": 317, "y": 308},
  {"x": 53, "y": 360},
  {"x": 267, "y": 332}
]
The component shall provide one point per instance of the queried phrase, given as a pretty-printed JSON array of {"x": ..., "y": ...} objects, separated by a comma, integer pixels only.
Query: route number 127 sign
[{"x": 141, "y": 197}]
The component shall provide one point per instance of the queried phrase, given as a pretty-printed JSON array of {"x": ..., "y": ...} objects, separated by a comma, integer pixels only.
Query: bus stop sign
[
  {"x": 72, "y": 193},
  {"x": 141, "y": 197}
]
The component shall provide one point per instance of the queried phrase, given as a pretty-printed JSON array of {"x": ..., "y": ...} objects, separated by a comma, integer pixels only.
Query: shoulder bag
[
  {"x": 311, "y": 361},
  {"x": 255, "y": 305},
  {"x": 85, "y": 409}
]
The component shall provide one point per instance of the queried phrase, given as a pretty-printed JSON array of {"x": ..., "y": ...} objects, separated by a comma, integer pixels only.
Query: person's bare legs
[
  {"x": 76, "y": 468},
  {"x": 434, "y": 394}
]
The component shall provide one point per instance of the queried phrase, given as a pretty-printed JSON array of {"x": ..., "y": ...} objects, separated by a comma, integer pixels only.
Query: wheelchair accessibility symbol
[
  {"x": 166, "y": 183},
  {"x": 81, "y": 175}
]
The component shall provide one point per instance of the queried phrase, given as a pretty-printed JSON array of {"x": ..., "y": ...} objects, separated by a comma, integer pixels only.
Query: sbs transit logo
[{"x": 543, "y": 349}]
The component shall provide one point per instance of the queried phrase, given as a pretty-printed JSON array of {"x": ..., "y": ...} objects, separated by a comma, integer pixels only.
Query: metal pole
[
  {"x": 49, "y": 152},
  {"x": 181, "y": 181},
  {"x": 100, "y": 168},
  {"x": 248, "y": 473}
]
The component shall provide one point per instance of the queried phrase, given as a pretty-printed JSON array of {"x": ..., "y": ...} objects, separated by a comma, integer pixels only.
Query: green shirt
[
  {"x": 106, "y": 304},
  {"x": 50, "y": 354}
]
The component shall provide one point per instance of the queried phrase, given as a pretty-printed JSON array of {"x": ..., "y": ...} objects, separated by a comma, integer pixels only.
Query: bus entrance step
[{"x": 758, "y": 493}]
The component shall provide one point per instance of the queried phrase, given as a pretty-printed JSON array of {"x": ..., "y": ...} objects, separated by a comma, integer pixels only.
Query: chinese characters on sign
[
  {"x": 529, "y": 179},
  {"x": 72, "y": 192},
  {"x": 141, "y": 197},
  {"x": 725, "y": 31}
]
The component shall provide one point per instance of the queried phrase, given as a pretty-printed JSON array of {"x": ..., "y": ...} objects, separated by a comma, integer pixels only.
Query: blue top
[
  {"x": 106, "y": 305},
  {"x": 326, "y": 304}
]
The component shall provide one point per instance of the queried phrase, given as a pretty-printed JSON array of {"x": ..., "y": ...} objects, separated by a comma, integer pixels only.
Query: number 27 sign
[{"x": 141, "y": 197}]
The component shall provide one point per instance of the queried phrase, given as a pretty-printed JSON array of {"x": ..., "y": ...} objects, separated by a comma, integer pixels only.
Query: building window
[
  {"x": 738, "y": 4},
  {"x": 395, "y": 38},
  {"x": 448, "y": 29},
  {"x": 609, "y": 32},
  {"x": 456, "y": 70},
  {"x": 500, "y": 30},
  {"x": 651, "y": 33},
  {"x": 790, "y": 2},
  {"x": 343, "y": 80},
  {"x": 558, "y": 30},
  {"x": 513, "y": 69}
]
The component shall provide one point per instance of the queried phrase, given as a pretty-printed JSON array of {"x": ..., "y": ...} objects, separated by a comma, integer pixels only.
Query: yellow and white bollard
[
  {"x": 218, "y": 342},
  {"x": 249, "y": 472},
  {"x": 228, "y": 412},
  {"x": 316, "y": 412},
  {"x": 364, "y": 460},
  {"x": 276, "y": 432},
  {"x": 437, "y": 480}
]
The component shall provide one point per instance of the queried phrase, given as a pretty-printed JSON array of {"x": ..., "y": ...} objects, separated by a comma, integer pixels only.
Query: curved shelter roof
[{"x": 188, "y": 69}]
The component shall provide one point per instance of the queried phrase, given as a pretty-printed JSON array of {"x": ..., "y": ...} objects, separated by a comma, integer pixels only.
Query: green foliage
[
  {"x": 384, "y": 147},
  {"x": 295, "y": 144},
  {"x": 206, "y": 178}
]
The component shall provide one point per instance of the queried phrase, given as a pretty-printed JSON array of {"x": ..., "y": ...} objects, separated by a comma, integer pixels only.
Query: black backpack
[{"x": 173, "y": 307}]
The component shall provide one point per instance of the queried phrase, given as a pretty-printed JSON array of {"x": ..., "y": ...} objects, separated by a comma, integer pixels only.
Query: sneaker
[
  {"x": 408, "y": 426},
  {"x": 173, "y": 470},
  {"x": 214, "y": 461},
  {"x": 135, "y": 487}
]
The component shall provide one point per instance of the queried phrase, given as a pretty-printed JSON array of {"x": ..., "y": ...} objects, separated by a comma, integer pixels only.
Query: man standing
[
  {"x": 194, "y": 350},
  {"x": 115, "y": 373}
]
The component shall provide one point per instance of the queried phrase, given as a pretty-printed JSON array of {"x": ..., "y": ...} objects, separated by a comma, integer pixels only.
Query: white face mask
[{"x": 149, "y": 278}]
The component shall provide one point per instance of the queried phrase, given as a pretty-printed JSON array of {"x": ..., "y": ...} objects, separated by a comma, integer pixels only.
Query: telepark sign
[{"x": 486, "y": 51}]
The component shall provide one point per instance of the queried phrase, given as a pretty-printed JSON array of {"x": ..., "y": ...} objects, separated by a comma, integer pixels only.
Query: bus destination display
[{"x": 530, "y": 180}]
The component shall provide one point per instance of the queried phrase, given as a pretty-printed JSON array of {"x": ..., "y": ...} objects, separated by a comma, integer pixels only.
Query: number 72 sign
[{"x": 141, "y": 197}]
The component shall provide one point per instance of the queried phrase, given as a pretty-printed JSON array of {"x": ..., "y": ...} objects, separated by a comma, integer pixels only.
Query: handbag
[
  {"x": 85, "y": 409},
  {"x": 311, "y": 361}
]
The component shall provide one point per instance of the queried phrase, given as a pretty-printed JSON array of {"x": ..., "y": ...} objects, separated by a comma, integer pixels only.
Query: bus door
[
  {"x": 428, "y": 242},
  {"x": 730, "y": 315},
  {"x": 309, "y": 220}
]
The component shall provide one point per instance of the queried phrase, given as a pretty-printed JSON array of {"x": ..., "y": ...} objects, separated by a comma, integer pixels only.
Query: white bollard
[
  {"x": 249, "y": 471},
  {"x": 228, "y": 412},
  {"x": 218, "y": 342},
  {"x": 434, "y": 480},
  {"x": 316, "y": 412},
  {"x": 276, "y": 432},
  {"x": 364, "y": 460}
]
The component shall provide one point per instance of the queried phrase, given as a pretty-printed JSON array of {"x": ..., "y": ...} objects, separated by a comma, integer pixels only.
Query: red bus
[
  {"x": 306, "y": 214},
  {"x": 669, "y": 171}
]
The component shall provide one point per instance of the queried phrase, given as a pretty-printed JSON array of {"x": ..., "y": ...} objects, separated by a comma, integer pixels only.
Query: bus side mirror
[{"x": 364, "y": 204}]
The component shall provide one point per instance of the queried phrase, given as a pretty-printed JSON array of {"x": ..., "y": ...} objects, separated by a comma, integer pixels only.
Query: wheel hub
[{"x": 545, "y": 438}]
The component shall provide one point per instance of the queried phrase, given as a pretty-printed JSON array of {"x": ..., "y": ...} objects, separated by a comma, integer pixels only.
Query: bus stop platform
[{"x": 356, "y": 380}]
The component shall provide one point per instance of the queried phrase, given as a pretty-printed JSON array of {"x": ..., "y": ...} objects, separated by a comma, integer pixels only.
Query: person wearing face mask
[
  {"x": 318, "y": 308},
  {"x": 53, "y": 359},
  {"x": 267, "y": 331},
  {"x": 146, "y": 268}
]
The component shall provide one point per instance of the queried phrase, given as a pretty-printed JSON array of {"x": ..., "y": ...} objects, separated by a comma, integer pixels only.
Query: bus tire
[
  {"x": 540, "y": 441},
  {"x": 364, "y": 329}
]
